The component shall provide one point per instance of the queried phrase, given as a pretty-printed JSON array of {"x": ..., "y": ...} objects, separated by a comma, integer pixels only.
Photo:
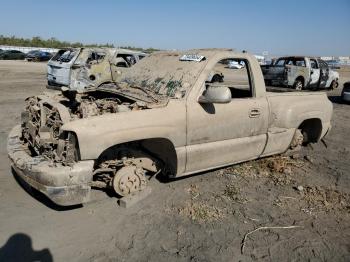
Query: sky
[{"x": 308, "y": 27}]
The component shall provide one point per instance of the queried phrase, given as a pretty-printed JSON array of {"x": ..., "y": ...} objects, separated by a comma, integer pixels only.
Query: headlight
[{"x": 68, "y": 148}]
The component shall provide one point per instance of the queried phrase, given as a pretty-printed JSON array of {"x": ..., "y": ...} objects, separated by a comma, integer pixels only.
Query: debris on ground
[
  {"x": 201, "y": 212},
  {"x": 320, "y": 198},
  {"x": 308, "y": 158},
  {"x": 279, "y": 169},
  {"x": 193, "y": 190},
  {"x": 300, "y": 188},
  {"x": 233, "y": 193}
]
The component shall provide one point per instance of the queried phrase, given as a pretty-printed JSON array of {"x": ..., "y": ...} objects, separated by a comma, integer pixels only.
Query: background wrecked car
[
  {"x": 300, "y": 73},
  {"x": 83, "y": 68}
]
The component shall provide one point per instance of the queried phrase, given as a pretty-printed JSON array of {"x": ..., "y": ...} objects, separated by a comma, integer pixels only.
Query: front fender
[{"x": 98, "y": 133}]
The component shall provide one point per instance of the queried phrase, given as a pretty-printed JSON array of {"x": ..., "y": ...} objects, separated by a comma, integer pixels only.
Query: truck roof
[{"x": 297, "y": 57}]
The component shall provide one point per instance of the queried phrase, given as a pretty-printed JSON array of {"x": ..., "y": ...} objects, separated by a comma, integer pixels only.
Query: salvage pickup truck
[
  {"x": 163, "y": 117},
  {"x": 300, "y": 73}
]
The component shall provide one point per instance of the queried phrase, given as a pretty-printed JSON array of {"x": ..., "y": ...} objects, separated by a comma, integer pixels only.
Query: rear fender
[{"x": 295, "y": 72}]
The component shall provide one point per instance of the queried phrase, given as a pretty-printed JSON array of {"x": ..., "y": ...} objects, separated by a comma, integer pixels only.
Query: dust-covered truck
[
  {"x": 166, "y": 116},
  {"x": 300, "y": 72}
]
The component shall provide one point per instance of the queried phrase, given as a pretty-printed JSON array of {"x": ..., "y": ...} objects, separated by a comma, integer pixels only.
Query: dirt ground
[{"x": 299, "y": 205}]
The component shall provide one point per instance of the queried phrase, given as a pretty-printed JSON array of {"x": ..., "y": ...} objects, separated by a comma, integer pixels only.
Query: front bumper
[{"x": 64, "y": 185}]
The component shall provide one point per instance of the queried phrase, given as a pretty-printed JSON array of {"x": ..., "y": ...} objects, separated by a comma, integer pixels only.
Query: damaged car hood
[{"x": 165, "y": 73}]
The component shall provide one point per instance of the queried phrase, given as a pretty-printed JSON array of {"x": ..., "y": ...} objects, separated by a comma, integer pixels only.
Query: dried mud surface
[{"x": 300, "y": 205}]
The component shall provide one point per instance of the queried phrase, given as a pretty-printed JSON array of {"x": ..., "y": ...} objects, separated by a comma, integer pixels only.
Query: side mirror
[{"x": 215, "y": 94}]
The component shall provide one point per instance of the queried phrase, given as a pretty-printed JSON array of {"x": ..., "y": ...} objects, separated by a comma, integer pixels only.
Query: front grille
[{"x": 41, "y": 125}]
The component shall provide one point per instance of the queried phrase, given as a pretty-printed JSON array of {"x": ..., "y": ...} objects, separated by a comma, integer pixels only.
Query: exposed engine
[
  {"x": 43, "y": 117},
  {"x": 41, "y": 124},
  {"x": 93, "y": 107}
]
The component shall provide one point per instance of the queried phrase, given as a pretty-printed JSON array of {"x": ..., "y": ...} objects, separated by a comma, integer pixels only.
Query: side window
[
  {"x": 323, "y": 65},
  {"x": 300, "y": 62},
  {"x": 130, "y": 59},
  {"x": 313, "y": 64},
  {"x": 120, "y": 62},
  {"x": 95, "y": 58},
  {"x": 234, "y": 74},
  {"x": 295, "y": 61},
  {"x": 280, "y": 62},
  {"x": 290, "y": 62}
]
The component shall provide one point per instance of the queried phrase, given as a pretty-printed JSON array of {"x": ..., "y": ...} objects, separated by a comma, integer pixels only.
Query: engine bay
[{"x": 44, "y": 116}]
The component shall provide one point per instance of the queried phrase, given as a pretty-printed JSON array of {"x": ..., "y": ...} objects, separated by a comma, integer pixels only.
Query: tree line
[{"x": 52, "y": 42}]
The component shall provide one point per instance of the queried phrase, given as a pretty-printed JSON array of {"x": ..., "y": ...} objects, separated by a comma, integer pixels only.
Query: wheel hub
[{"x": 129, "y": 179}]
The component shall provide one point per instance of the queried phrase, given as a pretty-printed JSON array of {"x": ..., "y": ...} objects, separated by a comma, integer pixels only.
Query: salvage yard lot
[{"x": 201, "y": 218}]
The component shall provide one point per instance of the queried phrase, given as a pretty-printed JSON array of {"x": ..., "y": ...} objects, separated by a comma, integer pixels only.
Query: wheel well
[
  {"x": 301, "y": 78},
  {"x": 311, "y": 129},
  {"x": 159, "y": 148},
  {"x": 105, "y": 83}
]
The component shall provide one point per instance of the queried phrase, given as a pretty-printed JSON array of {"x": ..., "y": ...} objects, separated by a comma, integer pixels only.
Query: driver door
[
  {"x": 324, "y": 73},
  {"x": 223, "y": 134},
  {"x": 315, "y": 72}
]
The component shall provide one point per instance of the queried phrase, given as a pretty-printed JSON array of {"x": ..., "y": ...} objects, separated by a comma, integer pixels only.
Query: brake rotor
[{"x": 129, "y": 179}]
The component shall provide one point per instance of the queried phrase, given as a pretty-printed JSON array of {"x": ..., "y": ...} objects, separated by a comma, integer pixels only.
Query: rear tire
[
  {"x": 299, "y": 84},
  {"x": 333, "y": 85}
]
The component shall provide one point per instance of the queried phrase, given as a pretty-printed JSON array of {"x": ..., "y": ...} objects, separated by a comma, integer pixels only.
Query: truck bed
[{"x": 280, "y": 89}]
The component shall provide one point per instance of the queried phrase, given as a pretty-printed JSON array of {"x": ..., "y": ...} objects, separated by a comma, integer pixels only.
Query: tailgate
[{"x": 59, "y": 67}]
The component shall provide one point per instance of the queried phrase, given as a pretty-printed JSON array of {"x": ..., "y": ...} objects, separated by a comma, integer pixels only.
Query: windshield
[
  {"x": 164, "y": 74},
  {"x": 64, "y": 55}
]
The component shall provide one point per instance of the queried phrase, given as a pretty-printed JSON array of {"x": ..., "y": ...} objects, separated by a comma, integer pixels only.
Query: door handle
[{"x": 254, "y": 112}]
